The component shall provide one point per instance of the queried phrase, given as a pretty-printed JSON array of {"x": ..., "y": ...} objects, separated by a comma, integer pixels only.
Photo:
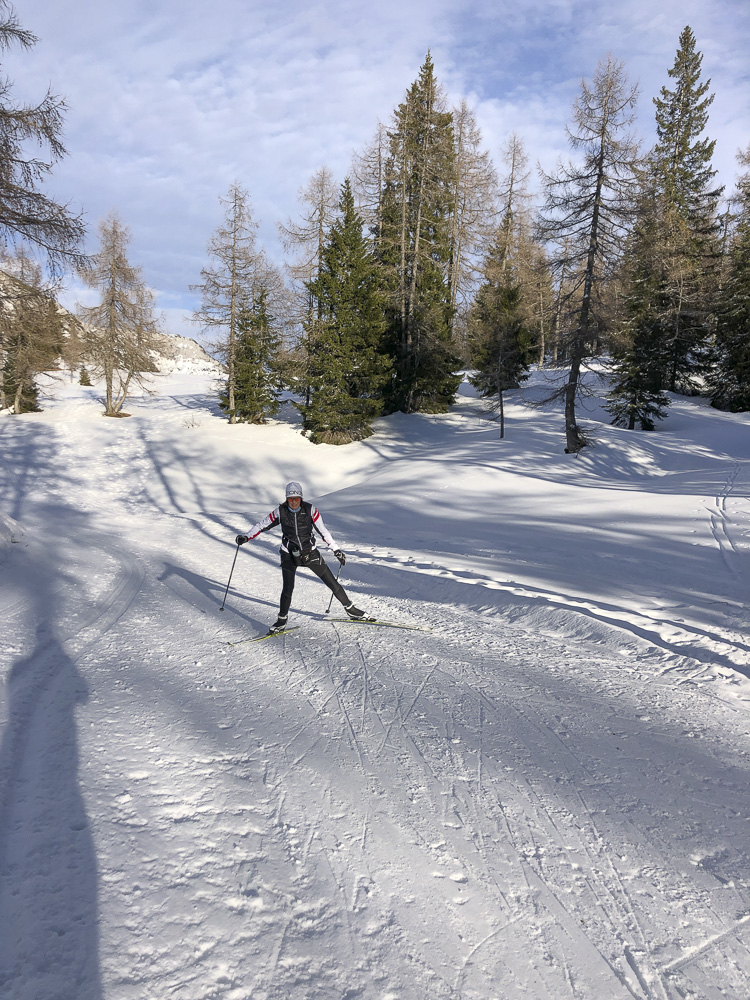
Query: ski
[
  {"x": 268, "y": 635},
  {"x": 377, "y": 621}
]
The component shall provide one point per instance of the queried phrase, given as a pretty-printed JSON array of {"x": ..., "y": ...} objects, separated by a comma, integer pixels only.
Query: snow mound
[{"x": 10, "y": 530}]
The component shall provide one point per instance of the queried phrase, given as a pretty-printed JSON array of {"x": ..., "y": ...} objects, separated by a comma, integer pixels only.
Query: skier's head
[{"x": 293, "y": 495}]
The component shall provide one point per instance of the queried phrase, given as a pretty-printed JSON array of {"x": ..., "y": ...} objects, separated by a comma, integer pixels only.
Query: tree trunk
[
  {"x": 542, "y": 344},
  {"x": 573, "y": 438}
]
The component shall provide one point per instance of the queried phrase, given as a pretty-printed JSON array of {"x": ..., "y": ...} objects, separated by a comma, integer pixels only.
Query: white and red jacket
[{"x": 298, "y": 527}]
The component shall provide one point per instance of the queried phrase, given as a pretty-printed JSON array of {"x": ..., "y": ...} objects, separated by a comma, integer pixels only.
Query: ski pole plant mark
[{"x": 300, "y": 521}]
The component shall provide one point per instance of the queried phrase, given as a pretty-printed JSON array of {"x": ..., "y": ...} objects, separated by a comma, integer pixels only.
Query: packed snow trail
[{"x": 546, "y": 795}]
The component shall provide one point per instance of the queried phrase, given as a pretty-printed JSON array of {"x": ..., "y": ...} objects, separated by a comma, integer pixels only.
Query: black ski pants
[{"x": 319, "y": 567}]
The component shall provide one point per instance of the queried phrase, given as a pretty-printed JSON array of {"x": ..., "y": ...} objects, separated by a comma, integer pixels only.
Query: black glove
[
  {"x": 340, "y": 556},
  {"x": 241, "y": 539}
]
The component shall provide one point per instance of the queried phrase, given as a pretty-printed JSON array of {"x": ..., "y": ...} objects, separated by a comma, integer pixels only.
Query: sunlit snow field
[{"x": 544, "y": 796}]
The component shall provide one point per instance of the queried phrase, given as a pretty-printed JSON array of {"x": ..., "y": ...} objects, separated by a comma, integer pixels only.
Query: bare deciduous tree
[{"x": 121, "y": 330}]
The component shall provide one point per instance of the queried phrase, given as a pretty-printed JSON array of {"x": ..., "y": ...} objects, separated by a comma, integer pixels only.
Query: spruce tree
[
  {"x": 347, "y": 365},
  {"x": 414, "y": 249},
  {"x": 256, "y": 375},
  {"x": 729, "y": 378},
  {"x": 500, "y": 335},
  {"x": 681, "y": 163},
  {"x": 640, "y": 356}
]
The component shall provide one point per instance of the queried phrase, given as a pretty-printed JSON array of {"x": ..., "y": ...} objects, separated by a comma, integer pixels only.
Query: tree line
[{"x": 427, "y": 261}]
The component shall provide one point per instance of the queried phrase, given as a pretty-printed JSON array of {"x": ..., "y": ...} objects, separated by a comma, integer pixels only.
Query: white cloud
[{"x": 169, "y": 105}]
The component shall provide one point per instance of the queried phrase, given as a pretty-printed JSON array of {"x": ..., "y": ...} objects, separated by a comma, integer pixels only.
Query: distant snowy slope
[{"x": 183, "y": 354}]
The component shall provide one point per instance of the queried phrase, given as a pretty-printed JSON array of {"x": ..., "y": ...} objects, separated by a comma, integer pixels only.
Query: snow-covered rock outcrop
[{"x": 183, "y": 354}]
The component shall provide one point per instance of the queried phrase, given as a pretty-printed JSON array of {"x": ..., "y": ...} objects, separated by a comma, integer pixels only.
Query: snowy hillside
[{"x": 544, "y": 795}]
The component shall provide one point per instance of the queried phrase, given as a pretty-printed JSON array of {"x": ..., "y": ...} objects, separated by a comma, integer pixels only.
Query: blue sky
[{"x": 170, "y": 103}]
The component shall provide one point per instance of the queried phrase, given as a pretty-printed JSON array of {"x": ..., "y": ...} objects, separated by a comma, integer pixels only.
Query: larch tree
[
  {"x": 27, "y": 215},
  {"x": 31, "y": 144},
  {"x": 368, "y": 180},
  {"x": 474, "y": 210},
  {"x": 515, "y": 248},
  {"x": 348, "y": 367},
  {"x": 227, "y": 284},
  {"x": 587, "y": 211},
  {"x": 122, "y": 332},
  {"x": 305, "y": 238},
  {"x": 514, "y": 200},
  {"x": 414, "y": 249}
]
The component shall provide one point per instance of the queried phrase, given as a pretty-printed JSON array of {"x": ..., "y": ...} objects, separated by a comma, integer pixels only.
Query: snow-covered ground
[{"x": 545, "y": 796}]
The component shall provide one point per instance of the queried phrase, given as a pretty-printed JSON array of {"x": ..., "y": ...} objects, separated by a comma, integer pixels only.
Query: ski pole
[
  {"x": 230, "y": 578},
  {"x": 337, "y": 580}
]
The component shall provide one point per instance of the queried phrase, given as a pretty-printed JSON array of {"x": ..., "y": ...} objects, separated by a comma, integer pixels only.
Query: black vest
[{"x": 297, "y": 528}]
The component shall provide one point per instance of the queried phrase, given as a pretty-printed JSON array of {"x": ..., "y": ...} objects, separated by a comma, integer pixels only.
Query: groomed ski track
[{"x": 544, "y": 796}]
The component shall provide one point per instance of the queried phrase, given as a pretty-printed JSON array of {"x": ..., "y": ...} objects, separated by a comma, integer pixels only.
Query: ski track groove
[
  {"x": 404, "y": 718},
  {"x": 721, "y": 523},
  {"x": 615, "y": 892},
  {"x": 439, "y": 792},
  {"x": 426, "y": 770},
  {"x": 345, "y": 718},
  {"x": 697, "y": 952}
]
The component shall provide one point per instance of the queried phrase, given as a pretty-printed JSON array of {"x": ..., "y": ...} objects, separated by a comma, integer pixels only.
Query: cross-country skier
[{"x": 299, "y": 521}]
